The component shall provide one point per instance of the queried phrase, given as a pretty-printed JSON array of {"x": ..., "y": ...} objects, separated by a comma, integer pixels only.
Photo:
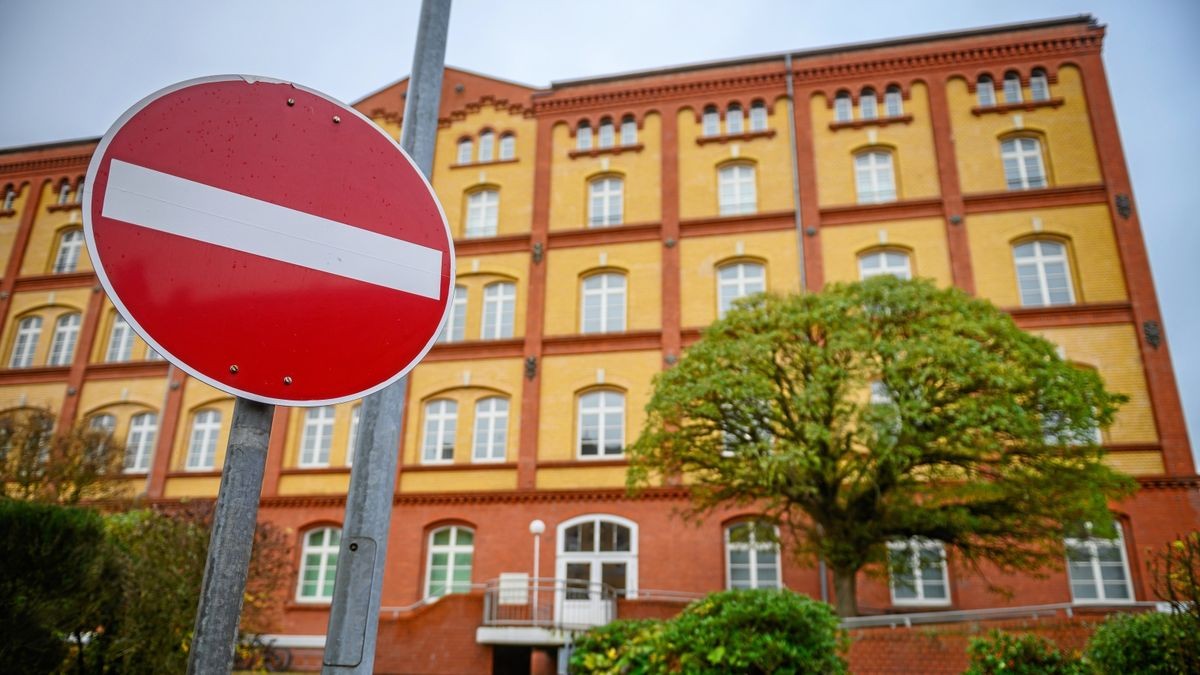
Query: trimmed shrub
[
  {"x": 1132, "y": 644},
  {"x": 1019, "y": 654},
  {"x": 626, "y": 646}
]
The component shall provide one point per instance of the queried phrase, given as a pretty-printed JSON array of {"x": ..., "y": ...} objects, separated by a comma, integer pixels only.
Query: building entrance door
[{"x": 597, "y": 563}]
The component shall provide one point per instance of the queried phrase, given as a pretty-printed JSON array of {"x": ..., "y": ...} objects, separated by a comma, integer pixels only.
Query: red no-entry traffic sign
[{"x": 269, "y": 240}]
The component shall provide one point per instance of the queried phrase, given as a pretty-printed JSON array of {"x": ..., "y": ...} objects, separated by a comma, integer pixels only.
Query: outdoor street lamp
[{"x": 536, "y": 528}]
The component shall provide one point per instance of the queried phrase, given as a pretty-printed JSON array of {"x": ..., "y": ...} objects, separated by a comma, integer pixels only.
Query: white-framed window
[
  {"x": 893, "y": 102},
  {"x": 606, "y": 201},
  {"x": 985, "y": 91},
  {"x": 1043, "y": 273},
  {"x": 583, "y": 136},
  {"x": 758, "y": 116},
  {"x": 487, "y": 146},
  {"x": 736, "y": 190},
  {"x": 1012, "y": 87},
  {"x": 602, "y": 303},
  {"x": 483, "y": 211},
  {"x": 1039, "y": 85},
  {"x": 202, "y": 448},
  {"x": 875, "y": 263},
  {"x": 734, "y": 119},
  {"x": 456, "y": 322},
  {"x": 710, "y": 121},
  {"x": 629, "y": 130},
  {"x": 10, "y": 197},
  {"x": 607, "y": 136},
  {"x": 508, "y": 146},
  {"x": 868, "y": 104},
  {"x": 737, "y": 280},
  {"x": 29, "y": 330},
  {"x": 441, "y": 424},
  {"x": 1098, "y": 568},
  {"x": 499, "y": 307},
  {"x": 491, "y": 430},
  {"x": 465, "y": 150},
  {"x": 318, "y": 564},
  {"x": 64, "y": 193},
  {"x": 1022, "y": 158},
  {"x": 352, "y": 437},
  {"x": 601, "y": 424},
  {"x": 751, "y": 557},
  {"x": 103, "y": 423},
  {"x": 874, "y": 177},
  {"x": 66, "y": 334},
  {"x": 79, "y": 191},
  {"x": 451, "y": 553},
  {"x": 595, "y": 550},
  {"x": 139, "y": 442},
  {"x": 843, "y": 107},
  {"x": 918, "y": 574},
  {"x": 120, "y": 341},
  {"x": 70, "y": 245},
  {"x": 317, "y": 438}
]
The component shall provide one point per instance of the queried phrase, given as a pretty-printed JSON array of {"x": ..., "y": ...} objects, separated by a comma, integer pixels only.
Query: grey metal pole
[
  {"x": 232, "y": 539},
  {"x": 354, "y": 614}
]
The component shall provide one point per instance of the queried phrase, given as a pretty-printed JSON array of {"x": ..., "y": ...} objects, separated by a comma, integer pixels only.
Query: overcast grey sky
[{"x": 71, "y": 67}]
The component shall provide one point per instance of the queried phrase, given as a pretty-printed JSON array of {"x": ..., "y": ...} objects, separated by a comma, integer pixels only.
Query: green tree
[
  {"x": 67, "y": 467},
  {"x": 884, "y": 410}
]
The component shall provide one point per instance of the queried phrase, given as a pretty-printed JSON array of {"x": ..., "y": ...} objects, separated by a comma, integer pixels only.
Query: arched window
[
  {"x": 120, "y": 341},
  {"x": 751, "y": 556},
  {"x": 441, "y": 424},
  {"x": 1043, "y": 273},
  {"x": 64, "y": 192},
  {"x": 918, "y": 574},
  {"x": 139, "y": 442},
  {"x": 874, "y": 177},
  {"x": 606, "y": 201},
  {"x": 985, "y": 91},
  {"x": 202, "y": 448},
  {"x": 596, "y": 550},
  {"x": 465, "y": 149},
  {"x": 601, "y": 424},
  {"x": 843, "y": 107},
  {"x": 1012, "y": 87},
  {"x": 456, "y": 322},
  {"x": 317, "y": 438},
  {"x": 602, "y": 303},
  {"x": 736, "y": 192},
  {"x": 733, "y": 119},
  {"x": 10, "y": 197},
  {"x": 483, "y": 209},
  {"x": 758, "y": 116},
  {"x": 508, "y": 146},
  {"x": 79, "y": 192},
  {"x": 583, "y": 136},
  {"x": 711, "y": 121},
  {"x": 607, "y": 136},
  {"x": 487, "y": 146},
  {"x": 628, "y": 130},
  {"x": 28, "y": 331},
  {"x": 70, "y": 244},
  {"x": 352, "y": 437},
  {"x": 876, "y": 263},
  {"x": 318, "y": 564},
  {"x": 499, "y": 307},
  {"x": 1039, "y": 85},
  {"x": 1022, "y": 158},
  {"x": 491, "y": 430},
  {"x": 893, "y": 102},
  {"x": 737, "y": 280},
  {"x": 103, "y": 423},
  {"x": 868, "y": 104},
  {"x": 66, "y": 334},
  {"x": 451, "y": 552},
  {"x": 1098, "y": 568}
]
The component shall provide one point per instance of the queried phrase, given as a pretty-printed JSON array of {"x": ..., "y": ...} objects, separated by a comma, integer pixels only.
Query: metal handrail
[
  {"x": 548, "y": 603},
  {"x": 395, "y": 612},
  {"x": 1068, "y": 609}
]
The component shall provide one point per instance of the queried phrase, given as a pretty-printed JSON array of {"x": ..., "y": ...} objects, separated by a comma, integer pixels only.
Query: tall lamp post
[{"x": 536, "y": 528}]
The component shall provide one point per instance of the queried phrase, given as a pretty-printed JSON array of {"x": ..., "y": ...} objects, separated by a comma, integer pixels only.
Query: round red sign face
[{"x": 269, "y": 240}]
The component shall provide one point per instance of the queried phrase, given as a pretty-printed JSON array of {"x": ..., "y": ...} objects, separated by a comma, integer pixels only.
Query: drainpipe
[{"x": 791, "y": 104}]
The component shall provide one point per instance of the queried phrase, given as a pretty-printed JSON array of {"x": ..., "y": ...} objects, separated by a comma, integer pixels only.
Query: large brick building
[{"x": 600, "y": 224}]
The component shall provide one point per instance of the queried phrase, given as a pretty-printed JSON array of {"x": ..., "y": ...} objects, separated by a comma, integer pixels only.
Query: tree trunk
[{"x": 845, "y": 590}]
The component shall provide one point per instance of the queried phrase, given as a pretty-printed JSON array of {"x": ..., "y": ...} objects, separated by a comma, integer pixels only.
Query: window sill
[
  {"x": 584, "y": 462},
  {"x": 191, "y": 473},
  {"x": 614, "y": 150},
  {"x": 921, "y": 604},
  {"x": 1001, "y": 108},
  {"x": 73, "y": 206},
  {"x": 455, "y": 466},
  {"x": 877, "y": 122},
  {"x": 730, "y": 138},
  {"x": 490, "y": 162},
  {"x": 312, "y": 470}
]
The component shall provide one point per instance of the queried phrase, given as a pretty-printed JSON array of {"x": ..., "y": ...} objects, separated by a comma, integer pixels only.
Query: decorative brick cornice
[
  {"x": 497, "y": 497},
  {"x": 10, "y": 376},
  {"x": 503, "y": 104},
  {"x": 52, "y": 282},
  {"x": 46, "y": 164},
  {"x": 1191, "y": 482},
  {"x": 127, "y": 369},
  {"x": 549, "y": 104}
]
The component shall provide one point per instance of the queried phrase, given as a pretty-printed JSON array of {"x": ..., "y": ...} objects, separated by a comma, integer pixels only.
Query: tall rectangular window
[
  {"x": 985, "y": 90},
  {"x": 607, "y": 133},
  {"x": 918, "y": 572},
  {"x": 1022, "y": 158},
  {"x": 711, "y": 122},
  {"x": 318, "y": 564},
  {"x": 508, "y": 146},
  {"x": 583, "y": 136},
  {"x": 317, "y": 438},
  {"x": 874, "y": 177},
  {"x": 25, "y": 344},
  {"x": 1043, "y": 274},
  {"x": 465, "y": 148},
  {"x": 120, "y": 341},
  {"x": 441, "y": 424},
  {"x": 893, "y": 102},
  {"x": 139, "y": 442},
  {"x": 451, "y": 550},
  {"x": 487, "y": 145},
  {"x": 629, "y": 131},
  {"x": 601, "y": 424},
  {"x": 752, "y": 556},
  {"x": 737, "y": 281},
  {"x": 733, "y": 119},
  {"x": 605, "y": 202},
  {"x": 456, "y": 322},
  {"x": 202, "y": 448},
  {"x": 1012, "y": 88},
  {"x": 483, "y": 209},
  {"x": 499, "y": 308},
  {"x": 1098, "y": 568},
  {"x": 603, "y": 303},
  {"x": 758, "y": 116},
  {"x": 736, "y": 193},
  {"x": 868, "y": 105},
  {"x": 1039, "y": 86},
  {"x": 491, "y": 430},
  {"x": 70, "y": 245}
]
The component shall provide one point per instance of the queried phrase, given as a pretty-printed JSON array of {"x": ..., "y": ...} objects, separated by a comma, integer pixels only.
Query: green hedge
[
  {"x": 1023, "y": 654},
  {"x": 1151, "y": 643}
]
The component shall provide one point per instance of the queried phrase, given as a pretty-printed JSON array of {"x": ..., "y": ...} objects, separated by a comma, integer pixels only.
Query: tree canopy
[
  {"x": 76, "y": 464},
  {"x": 880, "y": 411}
]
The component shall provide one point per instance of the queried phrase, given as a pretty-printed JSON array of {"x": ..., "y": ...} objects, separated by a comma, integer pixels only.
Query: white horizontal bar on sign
[{"x": 160, "y": 201}]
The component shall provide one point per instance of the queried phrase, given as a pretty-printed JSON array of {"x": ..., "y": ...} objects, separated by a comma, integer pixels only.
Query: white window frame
[
  {"x": 594, "y": 403},
  {"x": 843, "y": 107},
  {"x": 1012, "y": 88},
  {"x": 70, "y": 247},
  {"x": 202, "y": 443},
  {"x": 758, "y": 116},
  {"x": 29, "y": 331},
  {"x": 455, "y": 329},
  {"x": 1014, "y": 150},
  {"x": 893, "y": 101},
  {"x": 915, "y": 567},
  {"x": 868, "y": 104},
  {"x": 1039, "y": 86},
  {"x": 629, "y": 131},
  {"x": 1038, "y": 261},
  {"x": 466, "y": 148},
  {"x": 596, "y": 557},
  {"x": 120, "y": 341},
  {"x": 105, "y": 422},
  {"x": 139, "y": 442},
  {"x": 598, "y": 294},
  {"x": 606, "y": 201},
  {"x": 710, "y": 121},
  {"x": 316, "y": 439},
  {"x": 583, "y": 136},
  {"x": 985, "y": 91},
  {"x": 1092, "y": 545},
  {"x": 352, "y": 436},
  {"x": 483, "y": 213},
  {"x": 327, "y": 551},
  {"x": 440, "y": 425},
  {"x": 737, "y": 191},
  {"x": 487, "y": 146},
  {"x": 490, "y": 443},
  {"x": 508, "y": 146},
  {"x": 499, "y": 310},
  {"x": 64, "y": 193},
  {"x": 10, "y": 197},
  {"x": 66, "y": 335},
  {"x": 885, "y": 264},
  {"x": 748, "y": 277},
  {"x": 606, "y": 136},
  {"x": 753, "y": 548},
  {"x": 453, "y": 551},
  {"x": 735, "y": 121},
  {"x": 870, "y": 169}
]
